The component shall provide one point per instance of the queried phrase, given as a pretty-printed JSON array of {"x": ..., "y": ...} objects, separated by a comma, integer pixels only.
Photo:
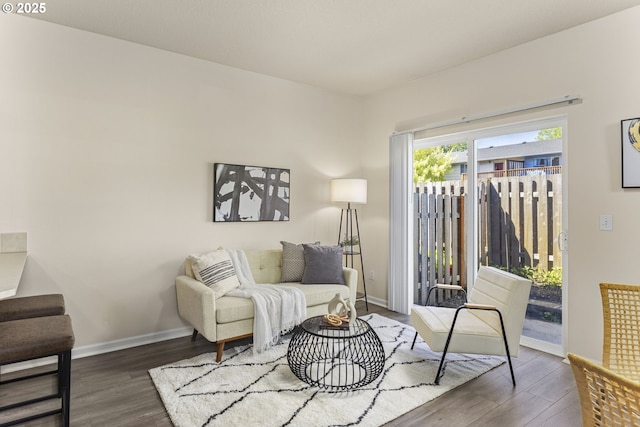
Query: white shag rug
[{"x": 260, "y": 390}]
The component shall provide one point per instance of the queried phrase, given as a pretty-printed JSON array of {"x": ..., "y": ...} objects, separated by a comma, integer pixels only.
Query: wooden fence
[{"x": 519, "y": 218}]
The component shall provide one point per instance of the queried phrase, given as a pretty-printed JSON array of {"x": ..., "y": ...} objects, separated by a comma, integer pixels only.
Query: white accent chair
[{"x": 489, "y": 323}]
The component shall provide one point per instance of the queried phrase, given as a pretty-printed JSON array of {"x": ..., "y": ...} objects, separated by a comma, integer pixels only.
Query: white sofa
[{"x": 229, "y": 318}]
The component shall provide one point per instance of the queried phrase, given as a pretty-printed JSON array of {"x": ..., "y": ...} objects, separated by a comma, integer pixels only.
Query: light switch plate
[{"x": 606, "y": 222}]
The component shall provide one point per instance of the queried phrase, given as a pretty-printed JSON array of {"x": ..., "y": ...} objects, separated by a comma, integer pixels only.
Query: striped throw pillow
[{"x": 215, "y": 270}]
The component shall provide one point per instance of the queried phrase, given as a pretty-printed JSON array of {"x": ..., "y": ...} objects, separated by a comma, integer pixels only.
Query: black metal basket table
[{"x": 335, "y": 358}]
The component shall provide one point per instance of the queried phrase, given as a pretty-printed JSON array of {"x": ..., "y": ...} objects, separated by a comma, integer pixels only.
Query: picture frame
[
  {"x": 630, "y": 136},
  {"x": 244, "y": 193}
]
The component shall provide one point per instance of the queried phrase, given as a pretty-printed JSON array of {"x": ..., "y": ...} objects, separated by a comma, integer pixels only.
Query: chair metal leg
[
  {"x": 414, "y": 340},
  {"x": 63, "y": 393},
  {"x": 60, "y": 373},
  {"x": 446, "y": 345},
  {"x": 504, "y": 338},
  {"x": 437, "y": 380},
  {"x": 64, "y": 378},
  {"x": 506, "y": 347}
]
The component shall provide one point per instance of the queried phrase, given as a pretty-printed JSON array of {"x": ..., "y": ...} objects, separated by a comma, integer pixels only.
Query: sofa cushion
[
  {"x": 292, "y": 261},
  {"x": 321, "y": 294},
  {"x": 215, "y": 270},
  {"x": 265, "y": 265},
  {"x": 322, "y": 264},
  {"x": 232, "y": 309}
]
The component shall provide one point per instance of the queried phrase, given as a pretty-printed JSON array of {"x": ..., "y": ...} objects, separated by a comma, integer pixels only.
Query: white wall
[
  {"x": 595, "y": 60},
  {"x": 106, "y": 160},
  {"x": 106, "y": 152}
]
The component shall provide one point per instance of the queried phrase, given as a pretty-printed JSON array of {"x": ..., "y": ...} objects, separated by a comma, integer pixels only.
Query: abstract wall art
[
  {"x": 250, "y": 193},
  {"x": 630, "y": 153}
]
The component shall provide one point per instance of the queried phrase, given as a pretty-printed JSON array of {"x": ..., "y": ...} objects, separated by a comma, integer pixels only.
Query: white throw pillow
[{"x": 215, "y": 270}]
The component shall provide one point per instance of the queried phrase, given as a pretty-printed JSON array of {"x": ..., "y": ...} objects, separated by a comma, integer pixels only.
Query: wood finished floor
[{"x": 115, "y": 389}]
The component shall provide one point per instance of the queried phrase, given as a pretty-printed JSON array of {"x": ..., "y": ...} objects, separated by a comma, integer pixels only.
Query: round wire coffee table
[{"x": 334, "y": 357}]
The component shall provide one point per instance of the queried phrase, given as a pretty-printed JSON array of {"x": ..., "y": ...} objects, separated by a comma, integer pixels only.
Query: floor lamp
[{"x": 351, "y": 191}]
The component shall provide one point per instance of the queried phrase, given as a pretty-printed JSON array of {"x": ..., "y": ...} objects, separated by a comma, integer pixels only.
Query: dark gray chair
[{"x": 35, "y": 338}]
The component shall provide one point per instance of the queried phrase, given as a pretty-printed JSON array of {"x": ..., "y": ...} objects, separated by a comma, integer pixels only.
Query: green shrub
[
  {"x": 539, "y": 276},
  {"x": 551, "y": 317}
]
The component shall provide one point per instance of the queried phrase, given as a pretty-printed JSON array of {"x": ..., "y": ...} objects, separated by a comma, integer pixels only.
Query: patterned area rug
[{"x": 260, "y": 390}]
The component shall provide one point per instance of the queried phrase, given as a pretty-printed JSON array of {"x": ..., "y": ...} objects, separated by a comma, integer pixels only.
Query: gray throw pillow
[
  {"x": 292, "y": 262},
  {"x": 322, "y": 264}
]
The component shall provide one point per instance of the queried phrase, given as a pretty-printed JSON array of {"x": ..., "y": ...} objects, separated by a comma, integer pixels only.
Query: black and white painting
[
  {"x": 631, "y": 153},
  {"x": 250, "y": 193}
]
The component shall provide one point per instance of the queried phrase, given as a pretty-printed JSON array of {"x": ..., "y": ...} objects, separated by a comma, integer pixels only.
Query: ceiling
[{"x": 356, "y": 47}]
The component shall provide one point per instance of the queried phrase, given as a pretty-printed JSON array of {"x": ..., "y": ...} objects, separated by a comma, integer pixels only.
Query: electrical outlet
[
  {"x": 606, "y": 222},
  {"x": 372, "y": 275}
]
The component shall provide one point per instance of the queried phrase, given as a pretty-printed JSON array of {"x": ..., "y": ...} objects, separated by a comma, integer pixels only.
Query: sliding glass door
[{"x": 496, "y": 200}]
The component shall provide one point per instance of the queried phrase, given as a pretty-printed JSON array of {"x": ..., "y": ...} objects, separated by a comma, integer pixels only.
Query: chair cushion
[
  {"x": 31, "y": 306},
  {"x": 433, "y": 324},
  {"x": 34, "y": 338},
  {"x": 509, "y": 294}
]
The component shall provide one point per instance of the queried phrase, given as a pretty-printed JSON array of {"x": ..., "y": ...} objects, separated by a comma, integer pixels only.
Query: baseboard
[
  {"x": 107, "y": 347},
  {"x": 543, "y": 346},
  {"x": 377, "y": 301},
  {"x": 92, "y": 350}
]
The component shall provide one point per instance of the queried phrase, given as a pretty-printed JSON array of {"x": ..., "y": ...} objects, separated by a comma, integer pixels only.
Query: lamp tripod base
[{"x": 347, "y": 217}]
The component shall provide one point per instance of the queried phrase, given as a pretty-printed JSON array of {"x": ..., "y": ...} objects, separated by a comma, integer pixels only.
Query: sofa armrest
[
  {"x": 197, "y": 305},
  {"x": 351, "y": 280}
]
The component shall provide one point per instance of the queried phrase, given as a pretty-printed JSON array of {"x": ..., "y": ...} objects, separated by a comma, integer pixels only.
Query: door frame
[{"x": 472, "y": 214}]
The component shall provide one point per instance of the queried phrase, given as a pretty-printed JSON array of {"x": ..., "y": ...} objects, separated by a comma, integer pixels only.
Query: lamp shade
[{"x": 349, "y": 190}]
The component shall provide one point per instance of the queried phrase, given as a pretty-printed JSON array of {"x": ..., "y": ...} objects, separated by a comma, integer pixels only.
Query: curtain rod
[{"x": 567, "y": 99}]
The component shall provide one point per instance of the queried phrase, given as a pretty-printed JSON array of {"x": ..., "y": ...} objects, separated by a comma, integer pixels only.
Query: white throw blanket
[{"x": 277, "y": 309}]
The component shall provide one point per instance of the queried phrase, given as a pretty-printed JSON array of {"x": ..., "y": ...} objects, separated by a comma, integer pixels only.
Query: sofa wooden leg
[
  {"x": 219, "y": 351},
  {"x": 194, "y": 335}
]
